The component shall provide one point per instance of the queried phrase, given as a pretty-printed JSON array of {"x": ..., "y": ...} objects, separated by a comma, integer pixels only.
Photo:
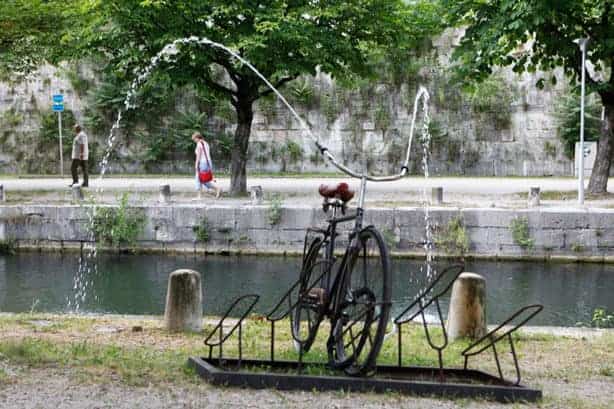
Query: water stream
[{"x": 87, "y": 270}]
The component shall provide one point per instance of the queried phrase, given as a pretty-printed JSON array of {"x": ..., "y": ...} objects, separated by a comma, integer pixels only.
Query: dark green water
[{"x": 137, "y": 284}]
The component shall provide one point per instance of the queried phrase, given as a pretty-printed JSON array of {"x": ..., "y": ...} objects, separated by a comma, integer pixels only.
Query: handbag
[{"x": 205, "y": 176}]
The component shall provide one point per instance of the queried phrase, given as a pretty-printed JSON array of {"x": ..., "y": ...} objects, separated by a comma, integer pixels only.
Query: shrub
[
  {"x": 8, "y": 246},
  {"x": 568, "y": 117},
  {"x": 117, "y": 227},
  {"x": 274, "y": 211},
  {"x": 602, "y": 319},
  {"x": 452, "y": 238},
  {"x": 520, "y": 232},
  {"x": 202, "y": 230}
]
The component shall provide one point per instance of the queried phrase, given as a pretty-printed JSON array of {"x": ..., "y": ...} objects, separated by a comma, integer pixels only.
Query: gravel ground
[
  {"x": 57, "y": 389},
  {"x": 61, "y": 389}
]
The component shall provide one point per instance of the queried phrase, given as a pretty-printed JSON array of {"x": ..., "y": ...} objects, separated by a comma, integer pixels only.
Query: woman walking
[{"x": 203, "y": 166}]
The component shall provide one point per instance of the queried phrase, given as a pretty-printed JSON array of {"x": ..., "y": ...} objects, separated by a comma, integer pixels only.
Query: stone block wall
[{"x": 582, "y": 234}]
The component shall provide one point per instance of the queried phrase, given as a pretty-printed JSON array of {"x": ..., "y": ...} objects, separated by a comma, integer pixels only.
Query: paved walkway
[{"x": 462, "y": 191}]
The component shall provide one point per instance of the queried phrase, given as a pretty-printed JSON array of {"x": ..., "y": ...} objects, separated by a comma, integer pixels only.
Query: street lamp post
[{"x": 582, "y": 43}]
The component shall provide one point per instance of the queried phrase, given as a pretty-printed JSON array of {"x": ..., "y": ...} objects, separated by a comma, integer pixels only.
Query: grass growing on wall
[
  {"x": 118, "y": 227},
  {"x": 520, "y": 233}
]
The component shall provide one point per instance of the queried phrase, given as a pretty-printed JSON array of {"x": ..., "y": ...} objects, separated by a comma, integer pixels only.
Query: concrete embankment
[{"x": 550, "y": 233}]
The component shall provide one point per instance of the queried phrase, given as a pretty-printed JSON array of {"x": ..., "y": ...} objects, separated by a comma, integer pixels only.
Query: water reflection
[{"x": 137, "y": 284}]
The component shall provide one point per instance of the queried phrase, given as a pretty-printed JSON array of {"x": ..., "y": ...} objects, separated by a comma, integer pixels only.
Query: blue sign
[
  {"x": 58, "y": 98},
  {"x": 58, "y": 107}
]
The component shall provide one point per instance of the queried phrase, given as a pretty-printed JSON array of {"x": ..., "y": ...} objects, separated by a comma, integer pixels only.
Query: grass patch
[{"x": 135, "y": 366}]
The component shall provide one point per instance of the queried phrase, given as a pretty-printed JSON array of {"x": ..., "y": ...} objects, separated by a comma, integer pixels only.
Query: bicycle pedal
[{"x": 317, "y": 295}]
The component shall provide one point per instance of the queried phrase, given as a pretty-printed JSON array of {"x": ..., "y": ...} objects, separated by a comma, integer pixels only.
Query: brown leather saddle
[{"x": 340, "y": 191}]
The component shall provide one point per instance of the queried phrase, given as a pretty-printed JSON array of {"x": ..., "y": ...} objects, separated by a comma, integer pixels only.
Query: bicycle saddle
[{"x": 340, "y": 191}]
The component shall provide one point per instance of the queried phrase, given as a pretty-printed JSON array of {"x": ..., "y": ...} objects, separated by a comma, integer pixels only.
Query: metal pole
[
  {"x": 581, "y": 161},
  {"x": 61, "y": 148}
]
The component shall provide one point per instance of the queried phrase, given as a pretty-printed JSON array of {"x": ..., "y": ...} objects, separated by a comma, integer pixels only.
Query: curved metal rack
[
  {"x": 424, "y": 300},
  {"x": 489, "y": 340}
]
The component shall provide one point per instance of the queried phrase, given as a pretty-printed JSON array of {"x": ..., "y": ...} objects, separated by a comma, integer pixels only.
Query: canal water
[{"x": 136, "y": 284}]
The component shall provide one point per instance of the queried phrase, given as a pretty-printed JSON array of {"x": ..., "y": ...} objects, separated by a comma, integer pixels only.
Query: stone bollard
[
  {"x": 77, "y": 194},
  {"x": 165, "y": 194},
  {"x": 184, "y": 302},
  {"x": 256, "y": 194},
  {"x": 2, "y": 199},
  {"x": 534, "y": 196},
  {"x": 467, "y": 312},
  {"x": 437, "y": 195}
]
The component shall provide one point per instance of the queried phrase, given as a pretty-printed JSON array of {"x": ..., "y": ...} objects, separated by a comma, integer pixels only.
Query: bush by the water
[
  {"x": 118, "y": 227},
  {"x": 602, "y": 318}
]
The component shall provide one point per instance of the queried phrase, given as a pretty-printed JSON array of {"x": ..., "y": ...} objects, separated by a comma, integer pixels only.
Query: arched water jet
[{"x": 86, "y": 268}]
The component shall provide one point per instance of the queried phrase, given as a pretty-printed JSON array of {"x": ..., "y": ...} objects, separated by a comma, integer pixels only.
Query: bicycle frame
[{"x": 330, "y": 235}]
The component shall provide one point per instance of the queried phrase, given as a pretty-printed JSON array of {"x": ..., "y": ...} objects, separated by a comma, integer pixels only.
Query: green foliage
[
  {"x": 330, "y": 106},
  {"x": 78, "y": 83},
  {"x": 492, "y": 97},
  {"x": 48, "y": 131},
  {"x": 268, "y": 107},
  {"x": 10, "y": 119},
  {"x": 568, "y": 118},
  {"x": 303, "y": 93},
  {"x": 202, "y": 231},
  {"x": 8, "y": 247},
  {"x": 550, "y": 149},
  {"x": 275, "y": 210},
  {"x": 520, "y": 232},
  {"x": 453, "y": 238},
  {"x": 382, "y": 118},
  {"x": 118, "y": 227},
  {"x": 602, "y": 319}
]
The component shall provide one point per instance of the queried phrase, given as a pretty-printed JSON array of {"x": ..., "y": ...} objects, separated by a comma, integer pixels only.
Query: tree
[
  {"x": 29, "y": 33},
  {"x": 498, "y": 33},
  {"x": 282, "y": 39}
]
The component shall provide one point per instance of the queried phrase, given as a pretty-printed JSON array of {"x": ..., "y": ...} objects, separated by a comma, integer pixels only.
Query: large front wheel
[{"x": 363, "y": 305}]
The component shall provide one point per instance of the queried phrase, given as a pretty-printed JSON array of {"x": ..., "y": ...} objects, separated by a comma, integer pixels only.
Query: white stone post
[
  {"x": 437, "y": 195},
  {"x": 184, "y": 302},
  {"x": 534, "y": 194},
  {"x": 467, "y": 312},
  {"x": 165, "y": 194},
  {"x": 256, "y": 195}
]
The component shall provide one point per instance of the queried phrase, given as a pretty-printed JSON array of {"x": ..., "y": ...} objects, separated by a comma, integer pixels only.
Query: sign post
[{"x": 58, "y": 106}]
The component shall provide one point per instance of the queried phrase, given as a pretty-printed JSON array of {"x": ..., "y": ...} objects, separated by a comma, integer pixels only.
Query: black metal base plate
[{"x": 283, "y": 375}]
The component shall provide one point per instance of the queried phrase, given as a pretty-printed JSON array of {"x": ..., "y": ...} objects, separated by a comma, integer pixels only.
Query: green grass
[{"x": 135, "y": 366}]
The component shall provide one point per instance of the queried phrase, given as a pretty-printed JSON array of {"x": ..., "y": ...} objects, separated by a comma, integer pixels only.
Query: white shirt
[{"x": 80, "y": 139}]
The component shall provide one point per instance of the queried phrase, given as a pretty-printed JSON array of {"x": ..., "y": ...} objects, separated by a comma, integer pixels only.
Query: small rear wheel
[
  {"x": 308, "y": 312},
  {"x": 363, "y": 306}
]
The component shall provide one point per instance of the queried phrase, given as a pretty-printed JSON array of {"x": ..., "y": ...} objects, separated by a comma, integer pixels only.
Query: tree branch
[{"x": 279, "y": 83}]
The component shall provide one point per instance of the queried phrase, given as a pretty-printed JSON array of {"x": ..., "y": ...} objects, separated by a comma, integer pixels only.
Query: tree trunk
[
  {"x": 601, "y": 169},
  {"x": 238, "y": 176}
]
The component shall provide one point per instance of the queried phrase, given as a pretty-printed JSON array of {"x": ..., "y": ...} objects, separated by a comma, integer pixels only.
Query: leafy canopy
[
  {"x": 283, "y": 39},
  {"x": 535, "y": 35}
]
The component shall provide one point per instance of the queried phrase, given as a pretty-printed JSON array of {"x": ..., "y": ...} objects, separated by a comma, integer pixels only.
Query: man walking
[{"x": 80, "y": 153}]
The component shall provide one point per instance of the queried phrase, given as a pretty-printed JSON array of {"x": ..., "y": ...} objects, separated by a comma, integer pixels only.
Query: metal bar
[
  {"x": 537, "y": 309},
  {"x": 515, "y": 359},
  {"x": 61, "y": 146},
  {"x": 221, "y": 342},
  {"x": 272, "y": 341},
  {"x": 399, "y": 344},
  {"x": 419, "y": 300},
  {"x": 240, "y": 343},
  {"x": 497, "y": 360}
]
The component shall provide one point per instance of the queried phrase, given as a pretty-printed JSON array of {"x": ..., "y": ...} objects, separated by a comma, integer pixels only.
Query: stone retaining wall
[{"x": 583, "y": 234}]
